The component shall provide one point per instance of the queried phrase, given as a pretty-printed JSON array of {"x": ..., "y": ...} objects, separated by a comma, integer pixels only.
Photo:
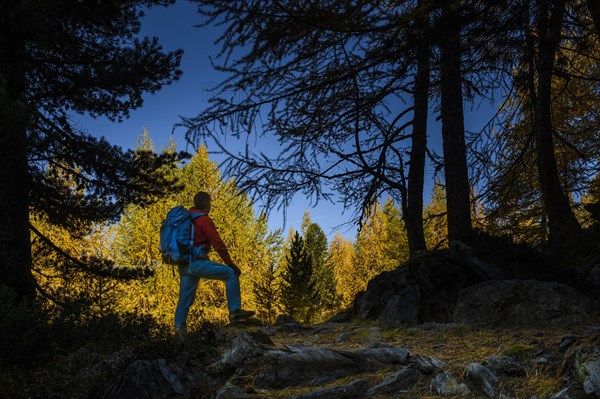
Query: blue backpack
[{"x": 177, "y": 237}]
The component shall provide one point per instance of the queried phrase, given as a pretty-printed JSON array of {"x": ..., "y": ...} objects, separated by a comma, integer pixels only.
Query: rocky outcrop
[
  {"x": 391, "y": 298},
  {"x": 522, "y": 303},
  {"x": 427, "y": 287},
  {"x": 264, "y": 363}
]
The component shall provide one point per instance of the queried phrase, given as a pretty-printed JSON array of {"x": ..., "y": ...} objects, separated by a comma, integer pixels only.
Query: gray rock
[
  {"x": 304, "y": 365},
  {"x": 591, "y": 382},
  {"x": 482, "y": 379},
  {"x": 343, "y": 317},
  {"x": 570, "y": 392},
  {"x": 230, "y": 391},
  {"x": 484, "y": 270},
  {"x": 567, "y": 340},
  {"x": 245, "y": 347},
  {"x": 541, "y": 360},
  {"x": 522, "y": 303},
  {"x": 427, "y": 364},
  {"x": 447, "y": 384},
  {"x": 343, "y": 337},
  {"x": 325, "y": 328},
  {"x": 401, "y": 381},
  {"x": 352, "y": 390},
  {"x": 505, "y": 365},
  {"x": 390, "y": 299},
  {"x": 402, "y": 308}
]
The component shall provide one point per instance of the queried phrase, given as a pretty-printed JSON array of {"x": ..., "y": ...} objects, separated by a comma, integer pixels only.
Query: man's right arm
[{"x": 212, "y": 235}]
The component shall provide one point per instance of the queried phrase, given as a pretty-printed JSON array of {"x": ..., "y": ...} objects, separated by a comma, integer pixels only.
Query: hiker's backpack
[{"x": 177, "y": 237}]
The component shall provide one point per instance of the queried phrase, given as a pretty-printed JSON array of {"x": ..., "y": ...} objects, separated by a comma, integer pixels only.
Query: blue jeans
[{"x": 189, "y": 277}]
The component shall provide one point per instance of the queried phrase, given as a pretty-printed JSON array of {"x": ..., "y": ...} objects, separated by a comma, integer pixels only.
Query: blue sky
[{"x": 175, "y": 28}]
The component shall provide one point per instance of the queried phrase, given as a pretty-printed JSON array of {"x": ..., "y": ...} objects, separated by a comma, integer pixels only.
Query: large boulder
[
  {"x": 425, "y": 289},
  {"x": 390, "y": 298},
  {"x": 522, "y": 303}
]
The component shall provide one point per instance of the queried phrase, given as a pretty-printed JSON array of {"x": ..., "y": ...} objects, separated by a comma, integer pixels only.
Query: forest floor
[
  {"x": 547, "y": 356},
  {"x": 544, "y": 353}
]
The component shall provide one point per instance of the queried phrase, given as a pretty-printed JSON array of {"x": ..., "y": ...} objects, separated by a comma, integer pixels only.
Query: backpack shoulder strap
[{"x": 196, "y": 215}]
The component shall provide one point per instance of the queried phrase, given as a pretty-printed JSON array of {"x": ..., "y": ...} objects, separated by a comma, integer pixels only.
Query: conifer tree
[
  {"x": 396, "y": 244},
  {"x": 375, "y": 241},
  {"x": 57, "y": 58},
  {"x": 347, "y": 277},
  {"x": 265, "y": 262},
  {"x": 436, "y": 225},
  {"x": 298, "y": 289},
  {"x": 267, "y": 293},
  {"x": 324, "y": 280}
]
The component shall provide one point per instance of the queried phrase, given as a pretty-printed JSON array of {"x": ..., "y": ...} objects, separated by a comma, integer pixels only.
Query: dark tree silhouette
[
  {"x": 412, "y": 206},
  {"x": 63, "y": 57},
  {"x": 545, "y": 148},
  {"x": 453, "y": 129},
  {"x": 334, "y": 82},
  {"x": 549, "y": 23}
]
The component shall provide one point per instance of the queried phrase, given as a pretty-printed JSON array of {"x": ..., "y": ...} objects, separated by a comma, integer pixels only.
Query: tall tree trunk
[
  {"x": 562, "y": 223},
  {"x": 453, "y": 130},
  {"x": 15, "y": 245},
  {"x": 416, "y": 173},
  {"x": 594, "y": 8}
]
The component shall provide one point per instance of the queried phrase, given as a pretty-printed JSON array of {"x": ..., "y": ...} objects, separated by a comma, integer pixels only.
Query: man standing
[{"x": 205, "y": 237}]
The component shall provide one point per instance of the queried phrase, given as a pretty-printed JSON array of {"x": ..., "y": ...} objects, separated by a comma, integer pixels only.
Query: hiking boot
[
  {"x": 180, "y": 331},
  {"x": 240, "y": 314}
]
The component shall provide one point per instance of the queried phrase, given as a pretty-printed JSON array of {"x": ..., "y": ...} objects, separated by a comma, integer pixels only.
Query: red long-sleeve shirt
[{"x": 205, "y": 232}]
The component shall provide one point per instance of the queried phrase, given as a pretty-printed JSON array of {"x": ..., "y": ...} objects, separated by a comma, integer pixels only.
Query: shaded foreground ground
[
  {"x": 547, "y": 365},
  {"x": 548, "y": 358}
]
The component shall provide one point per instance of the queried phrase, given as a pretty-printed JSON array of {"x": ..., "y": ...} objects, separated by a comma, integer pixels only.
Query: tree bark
[
  {"x": 416, "y": 173},
  {"x": 453, "y": 131},
  {"x": 562, "y": 223},
  {"x": 15, "y": 245}
]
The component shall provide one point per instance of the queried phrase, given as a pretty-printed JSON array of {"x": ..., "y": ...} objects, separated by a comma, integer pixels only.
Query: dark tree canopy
[
  {"x": 58, "y": 58},
  {"x": 345, "y": 88}
]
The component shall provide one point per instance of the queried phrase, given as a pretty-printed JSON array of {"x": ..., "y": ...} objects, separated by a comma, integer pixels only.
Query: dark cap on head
[{"x": 202, "y": 200}]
